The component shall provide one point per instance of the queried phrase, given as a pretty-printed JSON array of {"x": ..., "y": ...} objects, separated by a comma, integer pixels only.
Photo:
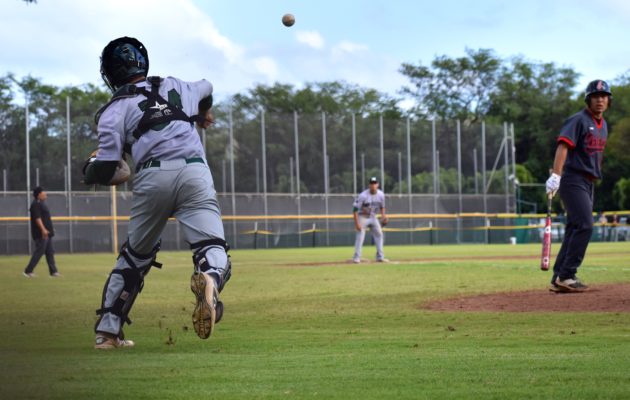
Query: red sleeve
[{"x": 567, "y": 141}]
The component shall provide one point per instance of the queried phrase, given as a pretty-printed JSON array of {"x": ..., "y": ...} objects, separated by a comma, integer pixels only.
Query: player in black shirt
[
  {"x": 42, "y": 232},
  {"x": 578, "y": 160}
]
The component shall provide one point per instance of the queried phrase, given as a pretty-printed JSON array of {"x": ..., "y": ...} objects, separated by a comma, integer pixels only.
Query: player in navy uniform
[{"x": 578, "y": 161}]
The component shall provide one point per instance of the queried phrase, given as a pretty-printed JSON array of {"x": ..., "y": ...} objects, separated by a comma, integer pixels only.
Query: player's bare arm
[
  {"x": 355, "y": 215},
  {"x": 42, "y": 228},
  {"x": 561, "y": 157}
]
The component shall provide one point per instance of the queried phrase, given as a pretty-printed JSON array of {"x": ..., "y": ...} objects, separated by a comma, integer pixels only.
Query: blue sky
[{"x": 237, "y": 44}]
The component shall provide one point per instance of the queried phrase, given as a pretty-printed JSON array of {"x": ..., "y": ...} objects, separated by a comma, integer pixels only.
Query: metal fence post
[
  {"x": 354, "y": 154},
  {"x": 232, "y": 189},
  {"x": 483, "y": 174},
  {"x": 382, "y": 145},
  {"x": 459, "y": 180},
  {"x": 506, "y": 168},
  {"x": 409, "y": 180},
  {"x": 69, "y": 176},
  {"x": 264, "y": 171},
  {"x": 325, "y": 159},
  {"x": 297, "y": 175},
  {"x": 28, "y": 171}
]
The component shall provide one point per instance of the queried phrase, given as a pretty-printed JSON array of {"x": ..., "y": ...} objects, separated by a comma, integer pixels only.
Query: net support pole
[
  {"x": 325, "y": 159},
  {"x": 354, "y": 154},
  {"x": 69, "y": 176},
  {"x": 28, "y": 171},
  {"x": 382, "y": 151},
  {"x": 264, "y": 171},
  {"x": 232, "y": 189},
  {"x": 459, "y": 180},
  {"x": 297, "y": 175},
  {"x": 409, "y": 199},
  {"x": 483, "y": 174}
]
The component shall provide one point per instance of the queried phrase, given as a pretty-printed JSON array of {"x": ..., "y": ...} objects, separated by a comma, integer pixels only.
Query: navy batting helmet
[
  {"x": 123, "y": 59},
  {"x": 597, "y": 86}
]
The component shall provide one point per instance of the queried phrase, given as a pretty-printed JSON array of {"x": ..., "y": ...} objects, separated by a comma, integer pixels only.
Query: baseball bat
[{"x": 546, "y": 243}]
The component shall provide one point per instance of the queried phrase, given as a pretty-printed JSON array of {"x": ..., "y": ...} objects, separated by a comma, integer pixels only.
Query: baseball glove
[
  {"x": 383, "y": 221},
  {"x": 121, "y": 173}
]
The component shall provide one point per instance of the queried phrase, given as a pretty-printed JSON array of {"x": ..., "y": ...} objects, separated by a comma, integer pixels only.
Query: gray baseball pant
[
  {"x": 175, "y": 189},
  {"x": 377, "y": 233}
]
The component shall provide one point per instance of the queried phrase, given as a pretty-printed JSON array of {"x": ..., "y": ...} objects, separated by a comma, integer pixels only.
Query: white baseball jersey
[
  {"x": 175, "y": 140},
  {"x": 368, "y": 204}
]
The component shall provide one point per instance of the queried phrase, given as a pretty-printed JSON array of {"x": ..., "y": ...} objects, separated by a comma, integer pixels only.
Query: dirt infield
[{"x": 600, "y": 298}]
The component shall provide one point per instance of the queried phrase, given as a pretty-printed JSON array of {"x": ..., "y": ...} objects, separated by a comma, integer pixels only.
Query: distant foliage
[{"x": 480, "y": 86}]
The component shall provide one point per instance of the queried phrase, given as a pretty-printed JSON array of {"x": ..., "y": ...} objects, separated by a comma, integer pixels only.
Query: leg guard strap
[
  {"x": 133, "y": 282},
  {"x": 210, "y": 243},
  {"x": 201, "y": 263}
]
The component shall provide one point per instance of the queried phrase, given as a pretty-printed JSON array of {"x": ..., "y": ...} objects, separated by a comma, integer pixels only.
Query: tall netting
[{"x": 282, "y": 179}]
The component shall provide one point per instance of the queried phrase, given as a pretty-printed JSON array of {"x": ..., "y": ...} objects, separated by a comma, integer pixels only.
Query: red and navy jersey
[{"x": 586, "y": 138}]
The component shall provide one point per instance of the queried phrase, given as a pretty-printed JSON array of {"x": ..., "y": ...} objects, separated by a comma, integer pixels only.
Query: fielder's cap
[
  {"x": 37, "y": 191},
  {"x": 373, "y": 180}
]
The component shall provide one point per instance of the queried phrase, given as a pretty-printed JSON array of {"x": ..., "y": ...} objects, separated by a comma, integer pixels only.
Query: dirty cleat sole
[{"x": 204, "y": 314}]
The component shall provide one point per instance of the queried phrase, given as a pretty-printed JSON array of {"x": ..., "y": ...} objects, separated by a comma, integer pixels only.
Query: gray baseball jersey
[
  {"x": 368, "y": 204},
  {"x": 177, "y": 139},
  {"x": 180, "y": 186}
]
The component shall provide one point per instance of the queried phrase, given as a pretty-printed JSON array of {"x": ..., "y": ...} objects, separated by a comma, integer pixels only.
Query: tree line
[{"x": 479, "y": 86}]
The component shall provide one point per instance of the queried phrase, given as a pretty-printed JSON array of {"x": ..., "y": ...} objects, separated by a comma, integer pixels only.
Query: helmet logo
[{"x": 600, "y": 85}]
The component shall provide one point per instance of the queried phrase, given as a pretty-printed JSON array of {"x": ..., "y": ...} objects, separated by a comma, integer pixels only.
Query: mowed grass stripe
[{"x": 337, "y": 331}]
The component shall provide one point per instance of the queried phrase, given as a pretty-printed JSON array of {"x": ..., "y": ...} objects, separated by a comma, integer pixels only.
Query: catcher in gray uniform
[{"x": 152, "y": 119}]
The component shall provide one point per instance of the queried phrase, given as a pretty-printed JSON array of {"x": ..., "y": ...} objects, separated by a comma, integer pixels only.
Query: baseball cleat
[
  {"x": 106, "y": 342},
  {"x": 356, "y": 260},
  {"x": 205, "y": 313},
  {"x": 570, "y": 285},
  {"x": 28, "y": 274},
  {"x": 382, "y": 260}
]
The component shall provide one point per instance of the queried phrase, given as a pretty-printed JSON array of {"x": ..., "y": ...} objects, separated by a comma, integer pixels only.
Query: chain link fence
[{"x": 272, "y": 165}]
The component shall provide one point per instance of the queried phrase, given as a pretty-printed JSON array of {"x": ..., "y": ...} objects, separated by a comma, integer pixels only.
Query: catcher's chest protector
[{"x": 158, "y": 111}]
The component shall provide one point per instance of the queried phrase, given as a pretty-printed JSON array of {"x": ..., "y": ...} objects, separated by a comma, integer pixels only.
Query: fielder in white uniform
[
  {"x": 366, "y": 206},
  {"x": 152, "y": 119}
]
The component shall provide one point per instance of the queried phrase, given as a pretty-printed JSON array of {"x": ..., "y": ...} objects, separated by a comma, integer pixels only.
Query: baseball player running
[
  {"x": 152, "y": 120},
  {"x": 577, "y": 165},
  {"x": 366, "y": 206}
]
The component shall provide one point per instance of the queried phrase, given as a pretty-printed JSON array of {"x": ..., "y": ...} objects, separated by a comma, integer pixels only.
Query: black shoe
[
  {"x": 571, "y": 285},
  {"x": 219, "y": 312}
]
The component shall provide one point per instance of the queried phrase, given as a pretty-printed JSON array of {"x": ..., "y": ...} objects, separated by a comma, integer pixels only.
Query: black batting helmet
[
  {"x": 597, "y": 86},
  {"x": 123, "y": 59}
]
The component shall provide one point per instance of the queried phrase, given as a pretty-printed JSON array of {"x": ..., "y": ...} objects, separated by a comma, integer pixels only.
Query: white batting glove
[{"x": 553, "y": 184}]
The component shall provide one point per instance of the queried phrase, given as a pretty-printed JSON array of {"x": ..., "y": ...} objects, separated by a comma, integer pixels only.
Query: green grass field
[{"x": 337, "y": 331}]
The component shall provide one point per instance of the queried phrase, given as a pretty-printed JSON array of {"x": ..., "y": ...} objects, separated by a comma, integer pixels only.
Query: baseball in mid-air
[{"x": 288, "y": 20}]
